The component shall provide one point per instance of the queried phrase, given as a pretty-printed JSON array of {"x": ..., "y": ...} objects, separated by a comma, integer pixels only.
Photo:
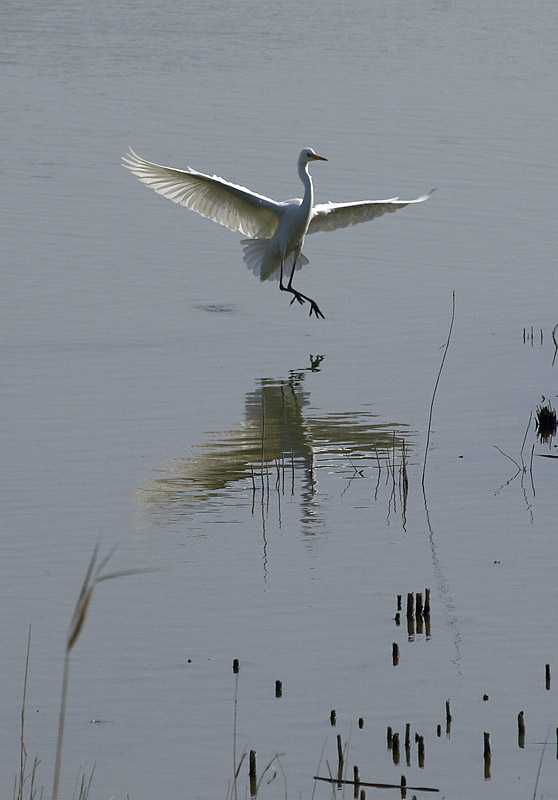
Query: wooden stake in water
[
  {"x": 521, "y": 729},
  {"x": 547, "y": 676},
  {"x": 278, "y": 689},
  {"x": 395, "y": 748},
  {"x": 487, "y": 755},
  {"x": 419, "y": 606},
  {"x": 448, "y": 717},
  {"x": 253, "y": 773},
  {"x": 410, "y": 604},
  {"x": 427, "y": 595},
  {"x": 333, "y": 718},
  {"x": 340, "y": 754},
  {"x": 395, "y": 654},
  {"x": 421, "y": 752},
  {"x": 390, "y": 736}
]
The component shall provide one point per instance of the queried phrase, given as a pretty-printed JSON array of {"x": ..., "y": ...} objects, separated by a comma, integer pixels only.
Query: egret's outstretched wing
[
  {"x": 330, "y": 216},
  {"x": 233, "y": 206}
]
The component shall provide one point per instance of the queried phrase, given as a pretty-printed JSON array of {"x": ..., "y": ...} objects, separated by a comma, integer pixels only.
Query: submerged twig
[
  {"x": 436, "y": 388},
  {"x": 375, "y": 785}
]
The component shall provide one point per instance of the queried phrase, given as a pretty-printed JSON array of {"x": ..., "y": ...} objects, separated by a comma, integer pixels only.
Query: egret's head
[{"x": 308, "y": 155}]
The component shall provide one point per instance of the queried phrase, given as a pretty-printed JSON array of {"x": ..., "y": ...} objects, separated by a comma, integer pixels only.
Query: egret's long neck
[{"x": 303, "y": 174}]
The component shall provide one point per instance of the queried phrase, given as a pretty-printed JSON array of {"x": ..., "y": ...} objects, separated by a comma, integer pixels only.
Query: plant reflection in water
[{"x": 280, "y": 447}]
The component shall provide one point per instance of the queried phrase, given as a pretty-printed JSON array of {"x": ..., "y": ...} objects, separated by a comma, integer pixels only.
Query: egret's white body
[{"x": 276, "y": 231}]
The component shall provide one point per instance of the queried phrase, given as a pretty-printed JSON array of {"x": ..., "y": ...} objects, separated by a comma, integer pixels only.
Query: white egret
[{"x": 276, "y": 230}]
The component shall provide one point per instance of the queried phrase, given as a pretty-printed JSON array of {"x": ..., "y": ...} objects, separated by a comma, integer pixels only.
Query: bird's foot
[
  {"x": 302, "y": 298},
  {"x": 315, "y": 309}
]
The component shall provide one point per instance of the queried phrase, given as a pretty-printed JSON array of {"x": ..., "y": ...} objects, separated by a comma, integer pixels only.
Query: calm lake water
[{"x": 156, "y": 396}]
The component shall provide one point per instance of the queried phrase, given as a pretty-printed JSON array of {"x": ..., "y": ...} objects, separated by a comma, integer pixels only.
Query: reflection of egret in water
[{"x": 279, "y": 446}]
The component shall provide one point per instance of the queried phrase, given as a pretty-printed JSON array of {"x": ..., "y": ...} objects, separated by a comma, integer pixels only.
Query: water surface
[{"x": 143, "y": 367}]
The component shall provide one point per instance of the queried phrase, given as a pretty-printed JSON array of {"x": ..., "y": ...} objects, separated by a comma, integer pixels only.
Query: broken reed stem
[{"x": 436, "y": 388}]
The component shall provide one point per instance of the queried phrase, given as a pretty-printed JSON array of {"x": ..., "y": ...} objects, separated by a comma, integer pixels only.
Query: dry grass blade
[
  {"x": 83, "y": 785},
  {"x": 271, "y": 769},
  {"x": 93, "y": 576}
]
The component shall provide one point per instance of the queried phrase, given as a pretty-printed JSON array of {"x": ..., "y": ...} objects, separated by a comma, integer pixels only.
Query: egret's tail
[{"x": 261, "y": 256}]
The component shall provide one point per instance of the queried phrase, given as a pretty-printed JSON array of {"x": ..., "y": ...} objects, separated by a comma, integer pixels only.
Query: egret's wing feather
[
  {"x": 233, "y": 206},
  {"x": 330, "y": 216}
]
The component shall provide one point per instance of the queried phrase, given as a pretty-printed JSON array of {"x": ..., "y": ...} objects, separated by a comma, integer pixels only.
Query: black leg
[{"x": 302, "y": 298}]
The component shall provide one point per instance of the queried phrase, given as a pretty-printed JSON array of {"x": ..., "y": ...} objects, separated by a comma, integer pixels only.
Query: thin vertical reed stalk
[
  {"x": 436, "y": 388},
  {"x": 263, "y": 445},
  {"x": 18, "y": 789},
  {"x": 235, "y": 767}
]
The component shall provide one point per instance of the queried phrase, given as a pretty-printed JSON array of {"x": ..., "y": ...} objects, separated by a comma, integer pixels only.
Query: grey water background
[{"x": 139, "y": 357}]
